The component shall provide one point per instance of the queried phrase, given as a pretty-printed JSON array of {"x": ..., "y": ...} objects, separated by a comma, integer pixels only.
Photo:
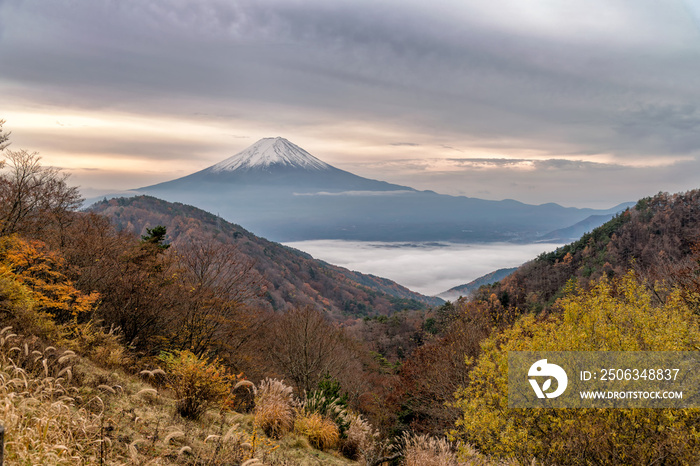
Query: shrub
[
  {"x": 330, "y": 389},
  {"x": 322, "y": 432},
  {"x": 102, "y": 347},
  {"x": 273, "y": 407},
  {"x": 198, "y": 384},
  {"x": 19, "y": 309},
  {"x": 35, "y": 294},
  {"x": 43, "y": 272}
]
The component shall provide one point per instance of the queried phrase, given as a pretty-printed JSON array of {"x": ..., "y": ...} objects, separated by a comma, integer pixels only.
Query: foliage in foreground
[
  {"x": 38, "y": 406},
  {"x": 59, "y": 409},
  {"x": 274, "y": 412},
  {"x": 424, "y": 450},
  {"x": 618, "y": 316},
  {"x": 198, "y": 383},
  {"x": 322, "y": 432}
]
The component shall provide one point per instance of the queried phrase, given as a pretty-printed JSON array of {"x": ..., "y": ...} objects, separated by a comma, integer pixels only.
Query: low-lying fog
[{"x": 428, "y": 268}]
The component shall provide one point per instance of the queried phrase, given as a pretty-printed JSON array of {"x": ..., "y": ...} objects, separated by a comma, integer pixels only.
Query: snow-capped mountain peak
[{"x": 268, "y": 152}]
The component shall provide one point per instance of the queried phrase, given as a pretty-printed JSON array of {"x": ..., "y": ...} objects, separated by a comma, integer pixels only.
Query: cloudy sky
[{"x": 584, "y": 103}]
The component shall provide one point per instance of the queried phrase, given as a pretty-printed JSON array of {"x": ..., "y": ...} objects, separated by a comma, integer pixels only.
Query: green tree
[
  {"x": 330, "y": 389},
  {"x": 156, "y": 237}
]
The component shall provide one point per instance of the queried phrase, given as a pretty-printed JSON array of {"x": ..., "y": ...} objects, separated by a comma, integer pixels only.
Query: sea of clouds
[{"x": 428, "y": 268}]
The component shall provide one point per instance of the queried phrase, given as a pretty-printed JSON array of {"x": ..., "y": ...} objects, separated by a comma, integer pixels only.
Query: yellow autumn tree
[
  {"x": 613, "y": 316},
  {"x": 35, "y": 294},
  {"x": 42, "y": 271}
]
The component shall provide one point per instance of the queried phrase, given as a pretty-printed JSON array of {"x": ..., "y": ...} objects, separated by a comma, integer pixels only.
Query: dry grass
[
  {"x": 295, "y": 451},
  {"x": 360, "y": 438},
  {"x": 274, "y": 413},
  {"x": 59, "y": 409},
  {"x": 41, "y": 411},
  {"x": 424, "y": 450},
  {"x": 101, "y": 347},
  {"x": 322, "y": 432}
]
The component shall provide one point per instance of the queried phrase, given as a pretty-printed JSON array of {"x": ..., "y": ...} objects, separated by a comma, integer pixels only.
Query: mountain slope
[
  {"x": 467, "y": 289},
  {"x": 274, "y": 164},
  {"x": 282, "y": 192},
  {"x": 574, "y": 232},
  {"x": 294, "y": 277},
  {"x": 655, "y": 237},
  {"x": 269, "y": 153}
]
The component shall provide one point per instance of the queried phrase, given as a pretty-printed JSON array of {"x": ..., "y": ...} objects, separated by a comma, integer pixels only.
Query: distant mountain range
[{"x": 281, "y": 192}]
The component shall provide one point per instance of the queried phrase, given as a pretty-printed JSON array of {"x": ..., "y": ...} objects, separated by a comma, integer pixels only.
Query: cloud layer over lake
[{"x": 428, "y": 268}]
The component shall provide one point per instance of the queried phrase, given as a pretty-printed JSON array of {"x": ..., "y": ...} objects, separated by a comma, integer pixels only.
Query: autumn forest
[{"x": 139, "y": 331}]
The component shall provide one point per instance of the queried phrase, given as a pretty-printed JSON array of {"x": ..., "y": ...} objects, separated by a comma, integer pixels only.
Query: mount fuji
[
  {"x": 274, "y": 163},
  {"x": 268, "y": 154},
  {"x": 280, "y": 191}
]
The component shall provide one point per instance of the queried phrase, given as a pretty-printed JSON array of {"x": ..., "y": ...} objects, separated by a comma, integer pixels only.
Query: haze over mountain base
[{"x": 427, "y": 268}]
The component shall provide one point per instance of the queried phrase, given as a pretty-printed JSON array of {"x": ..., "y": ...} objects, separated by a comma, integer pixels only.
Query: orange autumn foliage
[{"x": 31, "y": 264}]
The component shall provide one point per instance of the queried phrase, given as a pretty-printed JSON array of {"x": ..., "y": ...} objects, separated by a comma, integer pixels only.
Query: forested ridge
[
  {"x": 655, "y": 237},
  {"x": 145, "y": 332},
  {"x": 292, "y": 277}
]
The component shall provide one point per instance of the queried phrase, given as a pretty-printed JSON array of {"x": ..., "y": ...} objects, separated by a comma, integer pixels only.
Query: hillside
[
  {"x": 292, "y": 277},
  {"x": 654, "y": 237},
  {"x": 574, "y": 232},
  {"x": 467, "y": 289}
]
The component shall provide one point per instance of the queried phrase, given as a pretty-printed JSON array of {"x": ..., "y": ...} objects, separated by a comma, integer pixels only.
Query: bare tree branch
[
  {"x": 33, "y": 197},
  {"x": 305, "y": 346},
  {"x": 4, "y": 137}
]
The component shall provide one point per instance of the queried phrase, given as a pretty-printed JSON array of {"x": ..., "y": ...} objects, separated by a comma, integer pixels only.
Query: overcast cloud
[{"x": 587, "y": 103}]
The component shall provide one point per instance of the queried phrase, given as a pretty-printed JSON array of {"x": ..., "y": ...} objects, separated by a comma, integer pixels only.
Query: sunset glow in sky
[{"x": 584, "y": 103}]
